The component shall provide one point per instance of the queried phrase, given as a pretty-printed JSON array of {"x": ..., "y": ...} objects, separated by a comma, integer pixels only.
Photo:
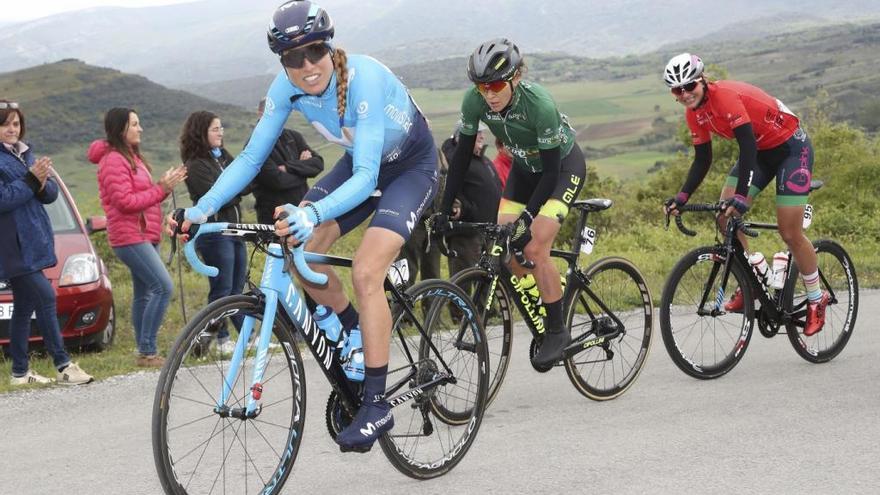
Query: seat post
[{"x": 577, "y": 239}]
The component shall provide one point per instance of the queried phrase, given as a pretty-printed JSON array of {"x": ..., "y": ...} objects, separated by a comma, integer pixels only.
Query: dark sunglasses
[
  {"x": 494, "y": 86},
  {"x": 689, "y": 87},
  {"x": 295, "y": 59},
  {"x": 8, "y": 104}
]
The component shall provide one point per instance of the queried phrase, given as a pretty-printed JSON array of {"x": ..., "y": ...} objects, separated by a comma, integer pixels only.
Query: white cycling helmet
[{"x": 683, "y": 69}]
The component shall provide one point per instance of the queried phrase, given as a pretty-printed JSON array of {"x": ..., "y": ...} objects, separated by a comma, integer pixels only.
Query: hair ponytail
[{"x": 339, "y": 64}]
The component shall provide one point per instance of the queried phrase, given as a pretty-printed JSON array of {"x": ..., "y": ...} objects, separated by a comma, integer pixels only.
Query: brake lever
[
  {"x": 285, "y": 251},
  {"x": 517, "y": 253},
  {"x": 177, "y": 216},
  {"x": 521, "y": 259}
]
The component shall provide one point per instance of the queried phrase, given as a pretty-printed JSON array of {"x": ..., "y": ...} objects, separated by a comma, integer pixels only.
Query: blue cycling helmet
[{"x": 297, "y": 23}]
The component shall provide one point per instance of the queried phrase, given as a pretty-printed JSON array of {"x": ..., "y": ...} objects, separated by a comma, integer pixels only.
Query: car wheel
[{"x": 104, "y": 338}]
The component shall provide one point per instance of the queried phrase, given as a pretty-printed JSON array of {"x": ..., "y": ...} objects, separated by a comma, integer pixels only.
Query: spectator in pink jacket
[{"x": 132, "y": 202}]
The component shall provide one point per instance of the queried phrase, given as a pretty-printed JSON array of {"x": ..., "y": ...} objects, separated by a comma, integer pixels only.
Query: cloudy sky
[{"x": 18, "y": 10}]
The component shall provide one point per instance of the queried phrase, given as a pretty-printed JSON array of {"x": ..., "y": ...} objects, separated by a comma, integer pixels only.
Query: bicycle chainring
[
  {"x": 767, "y": 327},
  {"x": 533, "y": 349},
  {"x": 337, "y": 418}
]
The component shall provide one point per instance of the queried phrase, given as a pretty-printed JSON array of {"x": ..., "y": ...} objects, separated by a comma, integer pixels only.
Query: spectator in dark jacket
[
  {"x": 26, "y": 248},
  {"x": 283, "y": 178},
  {"x": 205, "y": 158},
  {"x": 477, "y": 201}
]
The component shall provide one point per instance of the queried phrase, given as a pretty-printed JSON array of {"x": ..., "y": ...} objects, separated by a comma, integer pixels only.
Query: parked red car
[{"x": 85, "y": 302}]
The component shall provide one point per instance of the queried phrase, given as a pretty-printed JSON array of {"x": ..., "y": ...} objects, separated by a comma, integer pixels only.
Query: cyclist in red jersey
[{"x": 771, "y": 145}]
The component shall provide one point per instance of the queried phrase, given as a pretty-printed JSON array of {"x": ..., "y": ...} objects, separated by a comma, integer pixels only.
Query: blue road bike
[{"x": 233, "y": 424}]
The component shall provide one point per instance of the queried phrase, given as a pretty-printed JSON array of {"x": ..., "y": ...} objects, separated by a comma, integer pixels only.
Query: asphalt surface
[{"x": 775, "y": 424}]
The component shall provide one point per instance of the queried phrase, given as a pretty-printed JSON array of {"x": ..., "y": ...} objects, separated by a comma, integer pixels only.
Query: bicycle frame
[
  {"x": 494, "y": 261},
  {"x": 734, "y": 251},
  {"x": 276, "y": 286}
]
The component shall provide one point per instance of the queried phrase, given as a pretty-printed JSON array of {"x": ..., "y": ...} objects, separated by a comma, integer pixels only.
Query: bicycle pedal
[{"x": 360, "y": 449}]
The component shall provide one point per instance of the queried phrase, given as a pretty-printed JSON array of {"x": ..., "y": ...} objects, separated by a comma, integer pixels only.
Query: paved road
[{"x": 776, "y": 424}]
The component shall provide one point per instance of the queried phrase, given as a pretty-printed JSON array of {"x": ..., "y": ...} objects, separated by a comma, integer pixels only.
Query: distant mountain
[
  {"x": 65, "y": 102},
  {"x": 213, "y": 40},
  {"x": 792, "y": 65}
]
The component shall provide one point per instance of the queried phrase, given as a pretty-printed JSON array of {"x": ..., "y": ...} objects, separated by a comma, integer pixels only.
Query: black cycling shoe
[
  {"x": 372, "y": 420},
  {"x": 551, "y": 348}
]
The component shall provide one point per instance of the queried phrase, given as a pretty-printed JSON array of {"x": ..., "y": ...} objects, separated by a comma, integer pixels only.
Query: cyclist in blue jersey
[{"x": 389, "y": 171}]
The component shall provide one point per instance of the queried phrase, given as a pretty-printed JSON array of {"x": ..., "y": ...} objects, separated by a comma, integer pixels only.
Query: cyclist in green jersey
[{"x": 548, "y": 170}]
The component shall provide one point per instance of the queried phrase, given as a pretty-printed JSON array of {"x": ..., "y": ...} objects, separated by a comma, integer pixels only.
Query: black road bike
[
  {"x": 607, "y": 308},
  {"x": 705, "y": 341},
  {"x": 233, "y": 424}
]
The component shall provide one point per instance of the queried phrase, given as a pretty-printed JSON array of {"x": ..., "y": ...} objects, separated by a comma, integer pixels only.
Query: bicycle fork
[{"x": 252, "y": 407}]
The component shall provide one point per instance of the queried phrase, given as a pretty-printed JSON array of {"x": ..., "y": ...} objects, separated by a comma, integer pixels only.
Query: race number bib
[
  {"x": 808, "y": 215},
  {"x": 589, "y": 240}
]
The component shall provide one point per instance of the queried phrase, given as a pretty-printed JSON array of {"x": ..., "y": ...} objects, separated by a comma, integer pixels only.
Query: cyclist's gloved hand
[
  {"x": 439, "y": 223},
  {"x": 738, "y": 203},
  {"x": 521, "y": 232},
  {"x": 301, "y": 221},
  {"x": 195, "y": 215},
  {"x": 674, "y": 203}
]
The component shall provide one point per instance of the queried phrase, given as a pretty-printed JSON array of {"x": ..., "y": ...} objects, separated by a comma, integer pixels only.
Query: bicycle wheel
[
  {"x": 494, "y": 312},
  {"x": 606, "y": 370},
  {"x": 838, "y": 277},
  {"x": 199, "y": 450},
  {"x": 435, "y": 428},
  {"x": 705, "y": 341}
]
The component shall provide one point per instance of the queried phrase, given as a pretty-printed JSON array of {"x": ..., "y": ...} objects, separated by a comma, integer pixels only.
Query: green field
[{"x": 628, "y": 166}]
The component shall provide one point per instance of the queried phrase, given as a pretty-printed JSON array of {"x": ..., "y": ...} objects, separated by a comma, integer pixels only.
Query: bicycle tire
[
  {"x": 711, "y": 345},
  {"x": 184, "y": 407},
  {"x": 838, "y": 274},
  {"x": 497, "y": 322},
  {"x": 621, "y": 287},
  {"x": 430, "y": 436}
]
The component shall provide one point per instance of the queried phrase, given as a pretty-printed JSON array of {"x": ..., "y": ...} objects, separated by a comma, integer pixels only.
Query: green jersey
[{"x": 531, "y": 123}]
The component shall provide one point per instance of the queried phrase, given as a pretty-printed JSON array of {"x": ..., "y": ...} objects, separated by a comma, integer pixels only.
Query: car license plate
[{"x": 6, "y": 311}]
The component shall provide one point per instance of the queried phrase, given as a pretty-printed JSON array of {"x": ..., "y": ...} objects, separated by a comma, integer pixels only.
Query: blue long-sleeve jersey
[{"x": 378, "y": 118}]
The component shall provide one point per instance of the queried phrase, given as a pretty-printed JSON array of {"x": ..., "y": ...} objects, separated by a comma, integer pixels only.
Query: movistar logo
[
  {"x": 371, "y": 428},
  {"x": 411, "y": 222}
]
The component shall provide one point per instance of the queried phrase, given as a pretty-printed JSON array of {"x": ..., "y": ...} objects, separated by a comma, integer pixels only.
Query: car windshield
[{"x": 61, "y": 215}]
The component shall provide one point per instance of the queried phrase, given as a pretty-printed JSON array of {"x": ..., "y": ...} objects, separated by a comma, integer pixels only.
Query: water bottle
[
  {"x": 328, "y": 322},
  {"x": 353, "y": 355},
  {"x": 760, "y": 267},
  {"x": 780, "y": 263}
]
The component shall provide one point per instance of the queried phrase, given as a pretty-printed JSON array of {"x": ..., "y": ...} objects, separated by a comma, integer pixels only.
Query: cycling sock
[
  {"x": 374, "y": 383},
  {"x": 814, "y": 289},
  {"x": 554, "y": 316},
  {"x": 349, "y": 318}
]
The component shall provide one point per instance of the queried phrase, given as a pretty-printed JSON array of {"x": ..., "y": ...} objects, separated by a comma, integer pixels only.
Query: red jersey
[
  {"x": 730, "y": 104},
  {"x": 502, "y": 164}
]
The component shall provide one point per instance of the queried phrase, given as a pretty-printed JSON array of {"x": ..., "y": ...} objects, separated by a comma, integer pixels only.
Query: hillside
[{"x": 65, "y": 103}]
